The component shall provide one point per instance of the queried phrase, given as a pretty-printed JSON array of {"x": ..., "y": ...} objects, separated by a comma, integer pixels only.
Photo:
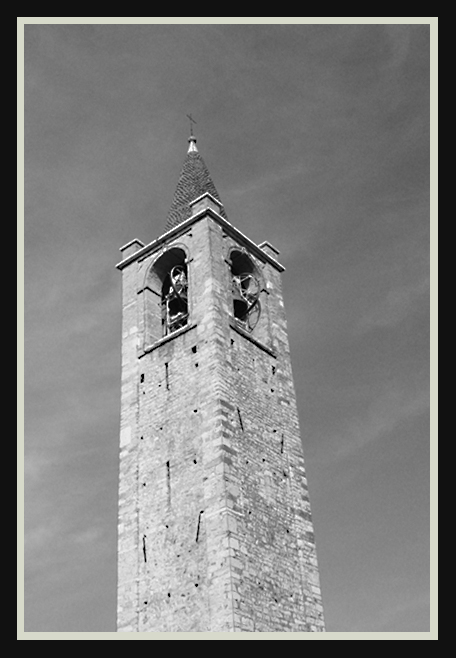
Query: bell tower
[{"x": 215, "y": 531}]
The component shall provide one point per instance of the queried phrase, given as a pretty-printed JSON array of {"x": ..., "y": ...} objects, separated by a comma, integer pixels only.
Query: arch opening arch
[{"x": 245, "y": 289}]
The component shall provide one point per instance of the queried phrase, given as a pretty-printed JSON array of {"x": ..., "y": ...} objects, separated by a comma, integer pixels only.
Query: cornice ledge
[
  {"x": 165, "y": 339},
  {"x": 185, "y": 225},
  {"x": 234, "y": 325}
]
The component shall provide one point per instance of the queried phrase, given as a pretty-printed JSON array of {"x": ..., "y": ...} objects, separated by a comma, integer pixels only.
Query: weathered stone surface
[{"x": 215, "y": 532}]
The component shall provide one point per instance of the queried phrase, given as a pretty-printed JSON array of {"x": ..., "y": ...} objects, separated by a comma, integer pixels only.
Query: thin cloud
[
  {"x": 399, "y": 37},
  {"x": 404, "y": 616},
  {"x": 265, "y": 182},
  {"x": 52, "y": 542},
  {"x": 34, "y": 467},
  {"x": 38, "y": 537},
  {"x": 380, "y": 419},
  {"x": 396, "y": 306}
]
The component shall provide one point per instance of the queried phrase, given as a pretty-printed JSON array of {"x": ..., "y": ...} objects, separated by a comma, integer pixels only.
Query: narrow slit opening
[
  {"x": 240, "y": 418},
  {"x": 198, "y": 526}
]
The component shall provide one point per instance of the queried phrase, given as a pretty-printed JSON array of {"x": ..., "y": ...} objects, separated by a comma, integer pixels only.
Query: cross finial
[{"x": 192, "y": 121}]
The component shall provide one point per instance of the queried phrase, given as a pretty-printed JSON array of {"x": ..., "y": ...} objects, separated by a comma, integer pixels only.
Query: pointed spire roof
[{"x": 194, "y": 181}]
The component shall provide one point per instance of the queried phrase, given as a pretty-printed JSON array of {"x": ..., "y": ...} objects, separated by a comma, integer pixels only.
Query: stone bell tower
[{"x": 215, "y": 531}]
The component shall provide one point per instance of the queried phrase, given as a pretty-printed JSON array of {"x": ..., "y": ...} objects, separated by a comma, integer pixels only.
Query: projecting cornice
[{"x": 183, "y": 227}]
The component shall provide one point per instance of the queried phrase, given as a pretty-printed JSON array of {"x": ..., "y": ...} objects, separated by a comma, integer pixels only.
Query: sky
[{"x": 317, "y": 138}]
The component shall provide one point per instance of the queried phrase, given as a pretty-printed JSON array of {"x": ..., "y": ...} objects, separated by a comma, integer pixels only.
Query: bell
[
  {"x": 240, "y": 305},
  {"x": 183, "y": 295},
  {"x": 176, "y": 293},
  {"x": 240, "y": 308},
  {"x": 177, "y": 305}
]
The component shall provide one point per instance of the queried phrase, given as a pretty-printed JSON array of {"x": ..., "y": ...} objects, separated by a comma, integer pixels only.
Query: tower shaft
[{"x": 215, "y": 532}]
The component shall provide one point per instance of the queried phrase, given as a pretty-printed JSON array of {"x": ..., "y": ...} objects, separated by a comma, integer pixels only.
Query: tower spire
[
  {"x": 215, "y": 531},
  {"x": 193, "y": 182}
]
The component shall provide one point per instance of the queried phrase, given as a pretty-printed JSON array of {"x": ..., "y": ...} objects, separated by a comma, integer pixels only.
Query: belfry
[{"x": 215, "y": 531}]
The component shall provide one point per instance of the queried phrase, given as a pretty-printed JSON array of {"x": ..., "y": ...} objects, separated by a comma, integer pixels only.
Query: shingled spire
[{"x": 194, "y": 181}]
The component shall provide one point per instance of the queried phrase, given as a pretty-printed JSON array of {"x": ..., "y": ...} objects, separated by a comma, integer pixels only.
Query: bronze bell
[{"x": 240, "y": 304}]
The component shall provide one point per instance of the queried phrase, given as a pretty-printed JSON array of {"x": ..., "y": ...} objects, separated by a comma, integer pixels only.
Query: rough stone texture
[{"x": 215, "y": 532}]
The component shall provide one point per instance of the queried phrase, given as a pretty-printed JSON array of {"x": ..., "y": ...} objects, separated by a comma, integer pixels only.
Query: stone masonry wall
[{"x": 215, "y": 532}]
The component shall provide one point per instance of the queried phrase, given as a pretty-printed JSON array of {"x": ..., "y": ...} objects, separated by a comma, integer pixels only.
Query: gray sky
[{"x": 317, "y": 139}]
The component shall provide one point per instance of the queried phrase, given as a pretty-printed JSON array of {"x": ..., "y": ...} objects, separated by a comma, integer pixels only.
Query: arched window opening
[
  {"x": 166, "y": 295},
  {"x": 246, "y": 288},
  {"x": 175, "y": 299}
]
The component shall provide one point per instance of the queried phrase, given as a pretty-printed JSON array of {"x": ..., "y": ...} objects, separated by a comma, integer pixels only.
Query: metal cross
[{"x": 192, "y": 120}]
